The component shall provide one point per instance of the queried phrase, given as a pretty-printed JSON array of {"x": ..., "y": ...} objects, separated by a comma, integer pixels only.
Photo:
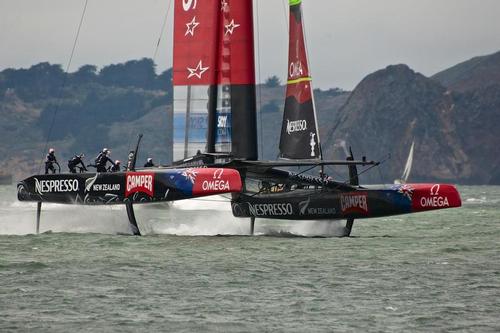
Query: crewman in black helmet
[
  {"x": 149, "y": 163},
  {"x": 116, "y": 167},
  {"x": 50, "y": 160},
  {"x": 102, "y": 160},
  {"x": 75, "y": 161}
]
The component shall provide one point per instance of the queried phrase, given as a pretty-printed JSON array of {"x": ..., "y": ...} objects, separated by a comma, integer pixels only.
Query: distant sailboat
[{"x": 407, "y": 169}]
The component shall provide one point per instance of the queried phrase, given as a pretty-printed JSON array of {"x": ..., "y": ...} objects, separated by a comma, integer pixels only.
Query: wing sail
[
  {"x": 214, "y": 78},
  {"x": 299, "y": 132}
]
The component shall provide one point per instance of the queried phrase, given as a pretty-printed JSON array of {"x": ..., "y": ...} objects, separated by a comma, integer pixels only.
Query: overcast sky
[{"x": 347, "y": 39}]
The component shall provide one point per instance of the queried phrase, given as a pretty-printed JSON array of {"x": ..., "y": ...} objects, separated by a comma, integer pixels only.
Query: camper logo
[
  {"x": 142, "y": 182},
  {"x": 356, "y": 202}
]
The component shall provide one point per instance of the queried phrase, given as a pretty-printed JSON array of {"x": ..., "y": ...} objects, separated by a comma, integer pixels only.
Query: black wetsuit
[
  {"x": 73, "y": 163},
  {"x": 115, "y": 168},
  {"x": 149, "y": 164},
  {"x": 50, "y": 160},
  {"x": 101, "y": 160}
]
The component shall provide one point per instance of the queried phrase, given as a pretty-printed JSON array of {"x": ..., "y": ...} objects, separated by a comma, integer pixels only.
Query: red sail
[
  {"x": 299, "y": 132},
  {"x": 213, "y": 42},
  {"x": 195, "y": 41},
  {"x": 236, "y": 49},
  {"x": 214, "y": 78}
]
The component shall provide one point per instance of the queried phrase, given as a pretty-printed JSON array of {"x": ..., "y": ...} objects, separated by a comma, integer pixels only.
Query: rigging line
[
  {"x": 162, "y": 31},
  {"x": 261, "y": 149},
  {"x": 284, "y": 14},
  {"x": 65, "y": 79},
  {"x": 332, "y": 170},
  {"x": 380, "y": 171},
  {"x": 381, "y": 177},
  {"x": 388, "y": 157},
  {"x": 291, "y": 176}
]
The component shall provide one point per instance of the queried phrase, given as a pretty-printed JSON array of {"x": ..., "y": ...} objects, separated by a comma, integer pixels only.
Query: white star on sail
[
  {"x": 191, "y": 26},
  {"x": 198, "y": 71},
  {"x": 223, "y": 5},
  {"x": 230, "y": 27}
]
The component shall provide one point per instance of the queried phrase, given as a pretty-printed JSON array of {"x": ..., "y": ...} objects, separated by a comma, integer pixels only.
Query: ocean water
[{"x": 200, "y": 272}]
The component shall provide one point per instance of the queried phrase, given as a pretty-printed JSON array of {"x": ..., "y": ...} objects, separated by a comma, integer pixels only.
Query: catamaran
[{"x": 215, "y": 138}]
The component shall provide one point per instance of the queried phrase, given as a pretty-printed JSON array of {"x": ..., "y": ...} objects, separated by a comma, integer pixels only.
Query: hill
[
  {"x": 455, "y": 127},
  {"x": 82, "y": 112},
  {"x": 471, "y": 75},
  {"x": 453, "y": 117}
]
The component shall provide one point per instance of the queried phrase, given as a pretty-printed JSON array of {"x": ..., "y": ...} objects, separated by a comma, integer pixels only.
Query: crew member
[
  {"x": 116, "y": 167},
  {"x": 130, "y": 160},
  {"x": 50, "y": 160},
  {"x": 102, "y": 160},
  {"x": 149, "y": 163},
  {"x": 324, "y": 176},
  {"x": 75, "y": 161}
]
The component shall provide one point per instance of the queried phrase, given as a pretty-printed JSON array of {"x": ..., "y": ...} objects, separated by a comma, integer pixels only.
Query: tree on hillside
[
  {"x": 273, "y": 81},
  {"x": 164, "y": 80},
  {"x": 85, "y": 74},
  {"x": 39, "y": 81},
  {"x": 134, "y": 73}
]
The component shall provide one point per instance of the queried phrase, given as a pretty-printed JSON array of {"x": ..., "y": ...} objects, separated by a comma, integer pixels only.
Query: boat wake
[
  {"x": 182, "y": 218},
  {"x": 19, "y": 219}
]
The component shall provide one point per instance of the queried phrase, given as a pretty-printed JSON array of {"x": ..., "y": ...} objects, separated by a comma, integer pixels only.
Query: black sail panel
[{"x": 299, "y": 136}]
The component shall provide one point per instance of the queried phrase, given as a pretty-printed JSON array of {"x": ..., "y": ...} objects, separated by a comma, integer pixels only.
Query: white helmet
[
  {"x": 105, "y": 150},
  {"x": 117, "y": 162},
  {"x": 51, "y": 151},
  {"x": 150, "y": 159}
]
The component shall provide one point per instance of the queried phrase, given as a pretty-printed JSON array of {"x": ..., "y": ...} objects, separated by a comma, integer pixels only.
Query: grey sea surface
[{"x": 197, "y": 271}]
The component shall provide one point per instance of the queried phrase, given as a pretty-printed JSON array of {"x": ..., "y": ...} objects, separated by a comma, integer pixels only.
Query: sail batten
[{"x": 299, "y": 133}]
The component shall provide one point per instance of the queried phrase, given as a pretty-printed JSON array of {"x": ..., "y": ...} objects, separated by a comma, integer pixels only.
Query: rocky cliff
[{"x": 455, "y": 127}]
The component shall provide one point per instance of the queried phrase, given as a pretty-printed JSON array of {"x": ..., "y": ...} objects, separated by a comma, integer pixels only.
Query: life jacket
[
  {"x": 100, "y": 158},
  {"x": 74, "y": 161},
  {"x": 50, "y": 158}
]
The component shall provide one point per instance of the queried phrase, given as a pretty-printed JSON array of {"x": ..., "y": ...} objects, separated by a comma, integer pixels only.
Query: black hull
[
  {"x": 334, "y": 204},
  {"x": 143, "y": 186}
]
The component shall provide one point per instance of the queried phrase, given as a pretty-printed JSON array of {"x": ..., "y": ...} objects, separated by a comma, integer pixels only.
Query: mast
[{"x": 299, "y": 132}]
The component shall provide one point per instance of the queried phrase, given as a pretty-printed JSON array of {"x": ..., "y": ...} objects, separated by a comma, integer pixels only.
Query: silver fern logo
[{"x": 303, "y": 205}]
